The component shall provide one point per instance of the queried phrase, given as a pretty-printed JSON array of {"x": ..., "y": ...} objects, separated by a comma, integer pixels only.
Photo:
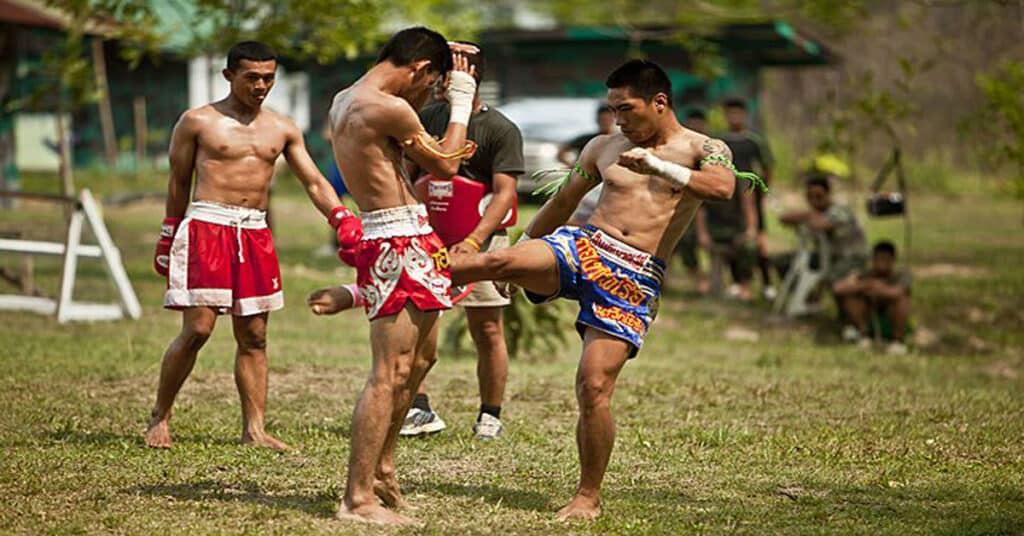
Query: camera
[{"x": 887, "y": 204}]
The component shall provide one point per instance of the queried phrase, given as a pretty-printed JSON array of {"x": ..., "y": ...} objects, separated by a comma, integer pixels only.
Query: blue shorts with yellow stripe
[{"x": 617, "y": 285}]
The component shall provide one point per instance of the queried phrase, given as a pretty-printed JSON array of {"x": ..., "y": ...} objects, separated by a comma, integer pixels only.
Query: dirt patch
[
  {"x": 949, "y": 270},
  {"x": 1003, "y": 369},
  {"x": 741, "y": 334}
]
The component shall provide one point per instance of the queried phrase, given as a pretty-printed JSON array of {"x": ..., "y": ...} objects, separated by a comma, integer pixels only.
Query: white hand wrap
[
  {"x": 668, "y": 170},
  {"x": 524, "y": 237},
  {"x": 460, "y": 94}
]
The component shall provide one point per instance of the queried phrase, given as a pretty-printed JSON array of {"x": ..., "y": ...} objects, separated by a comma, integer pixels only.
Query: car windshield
[{"x": 554, "y": 119}]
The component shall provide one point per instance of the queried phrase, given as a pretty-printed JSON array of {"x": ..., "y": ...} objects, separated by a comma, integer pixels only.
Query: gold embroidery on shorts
[{"x": 441, "y": 259}]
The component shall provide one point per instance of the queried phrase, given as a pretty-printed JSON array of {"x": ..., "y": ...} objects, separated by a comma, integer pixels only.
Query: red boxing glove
[
  {"x": 350, "y": 232},
  {"x": 162, "y": 258}
]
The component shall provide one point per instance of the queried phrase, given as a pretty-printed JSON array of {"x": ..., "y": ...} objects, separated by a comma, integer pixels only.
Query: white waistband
[
  {"x": 610, "y": 244},
  {"x": 407, "y": 220},
  {"x": 245, "y": 218}
]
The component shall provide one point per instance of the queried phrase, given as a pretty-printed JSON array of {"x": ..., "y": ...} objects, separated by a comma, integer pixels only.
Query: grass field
[{"x": 718, "y": 433}]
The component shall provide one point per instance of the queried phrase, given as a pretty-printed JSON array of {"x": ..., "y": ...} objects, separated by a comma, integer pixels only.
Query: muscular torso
[
  {"x": 646, "y": 212},
  {"x": 370, "y": 162},
  {"x": 235, "y": 156}
]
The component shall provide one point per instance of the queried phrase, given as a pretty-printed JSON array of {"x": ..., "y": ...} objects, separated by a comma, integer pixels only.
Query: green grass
[{"x": 793, "y": 433}]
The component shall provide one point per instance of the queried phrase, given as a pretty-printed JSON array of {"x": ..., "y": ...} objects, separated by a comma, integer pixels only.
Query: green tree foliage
[
  {"x": 999, "y": 122},
  {"x": 323, "y": 30},
  {"x": 65, "y": 72},
  {"x": 702, "y": 17},
  {"x": 530, "y": 330}
]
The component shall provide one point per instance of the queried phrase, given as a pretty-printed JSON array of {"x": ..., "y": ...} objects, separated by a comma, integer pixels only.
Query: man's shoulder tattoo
[{"x": 714, "y": 147}]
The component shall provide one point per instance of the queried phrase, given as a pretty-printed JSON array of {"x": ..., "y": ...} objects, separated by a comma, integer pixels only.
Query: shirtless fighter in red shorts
[
  {"x": 401, "y": 265},
  {"x": 219, "y": 256}
]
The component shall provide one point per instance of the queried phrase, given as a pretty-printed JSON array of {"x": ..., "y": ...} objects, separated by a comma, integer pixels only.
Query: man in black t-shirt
[
  {"x": 498, "y": 162},
  {"x": 750, "y": 152},
  {"x": 696, "y": 121},
  {"x": 570, "y": 151}
]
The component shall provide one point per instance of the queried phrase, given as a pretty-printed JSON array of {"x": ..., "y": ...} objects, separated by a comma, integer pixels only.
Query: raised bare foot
[
  {"x": 580, "y": 507},
  {"x": 329, "y": 301},
  {"x": 158, "y": 434},
  {"x": 265, "y": 440},
  {"x": 372, "y": 513},
  {"x": 389, "y": 493}
]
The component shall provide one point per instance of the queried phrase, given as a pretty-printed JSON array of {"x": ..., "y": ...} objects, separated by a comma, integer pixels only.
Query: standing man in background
[
  {"x": 570, "y": 152},
  {"x": 750, "y": 151},
  {"x": 215, "y": 247},
  {"x": 696, "y": 121}
]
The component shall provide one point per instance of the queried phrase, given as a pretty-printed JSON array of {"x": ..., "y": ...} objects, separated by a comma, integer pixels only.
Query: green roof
[
  {"x": 178, "y": 23},
  {"x": 766, "y": 43}
]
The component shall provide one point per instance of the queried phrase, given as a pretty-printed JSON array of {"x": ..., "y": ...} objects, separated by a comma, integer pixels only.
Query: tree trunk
[
  {"x": 106, "y": 115},
  {"x": 67, "y": 181},
  {"x": 141, "y": 133}
]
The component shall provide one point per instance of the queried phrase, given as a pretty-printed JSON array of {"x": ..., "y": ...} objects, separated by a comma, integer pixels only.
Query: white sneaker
[
  {"x": 770, "y": 293},
  {"x": 851, "y": 334},
  {"x": 865, "y": 343},
  {"x": 896, "y": 348},
  {"x": 488, "y": 427},
  {"x": 419, "y": 422}
]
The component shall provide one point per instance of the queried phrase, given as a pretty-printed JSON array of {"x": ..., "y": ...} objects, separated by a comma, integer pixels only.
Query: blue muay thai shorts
[{"x": 617, "y": 285}]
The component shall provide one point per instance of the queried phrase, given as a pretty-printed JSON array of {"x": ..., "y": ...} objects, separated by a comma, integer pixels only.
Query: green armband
[
  {"x": 551, "y": 188},
  {"x": 722, "y": 160}
]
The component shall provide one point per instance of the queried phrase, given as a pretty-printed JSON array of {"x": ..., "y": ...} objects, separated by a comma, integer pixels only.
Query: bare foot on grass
[
  {"x": 158, "y": 434},
  {"x": 389, "y": 493},
  {"x": 265, "y": 440},
  {"x": 373, "y": 513},
  {"x": 580, "y": 507}
]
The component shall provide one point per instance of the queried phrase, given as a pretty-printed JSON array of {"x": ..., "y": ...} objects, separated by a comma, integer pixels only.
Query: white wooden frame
[
  {"x": 86, "y": 210},
  {"x": 802, "y": 280}
]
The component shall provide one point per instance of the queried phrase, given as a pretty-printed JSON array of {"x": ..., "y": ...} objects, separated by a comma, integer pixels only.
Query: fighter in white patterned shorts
[{"x": 401, "y": 264}]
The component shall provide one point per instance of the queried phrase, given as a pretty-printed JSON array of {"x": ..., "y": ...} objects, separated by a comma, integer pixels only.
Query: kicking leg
[
  {"x": 603, "y": 358},
  {"x": 530, "y": 265},
  {"x": 251, "y": 379},
  {"x": 196, "y": 326}
]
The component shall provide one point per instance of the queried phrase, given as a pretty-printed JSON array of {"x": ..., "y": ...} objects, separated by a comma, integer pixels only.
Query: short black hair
[
  {"x": 884, "y": 246},
  {"x": 249, "y": 50},
  {"x": 645, "y": 79},
  {"x": 418, "y": 43},
  {"x": 477, "y": 60},
  {"x": 604, "y": 109},
  {"x": 819, "y": 180},
  {"x": 735, "y": 102},
  {"x": 696, "y": 113}
]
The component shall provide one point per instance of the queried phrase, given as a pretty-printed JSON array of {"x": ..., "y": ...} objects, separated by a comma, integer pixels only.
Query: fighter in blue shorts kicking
[{"x": 655, "y": 174}]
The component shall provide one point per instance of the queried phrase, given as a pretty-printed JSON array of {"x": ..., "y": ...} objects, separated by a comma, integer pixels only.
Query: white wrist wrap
[
  {"x": 668, "y": 170},
  {"x": 460, "y": 93}
]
